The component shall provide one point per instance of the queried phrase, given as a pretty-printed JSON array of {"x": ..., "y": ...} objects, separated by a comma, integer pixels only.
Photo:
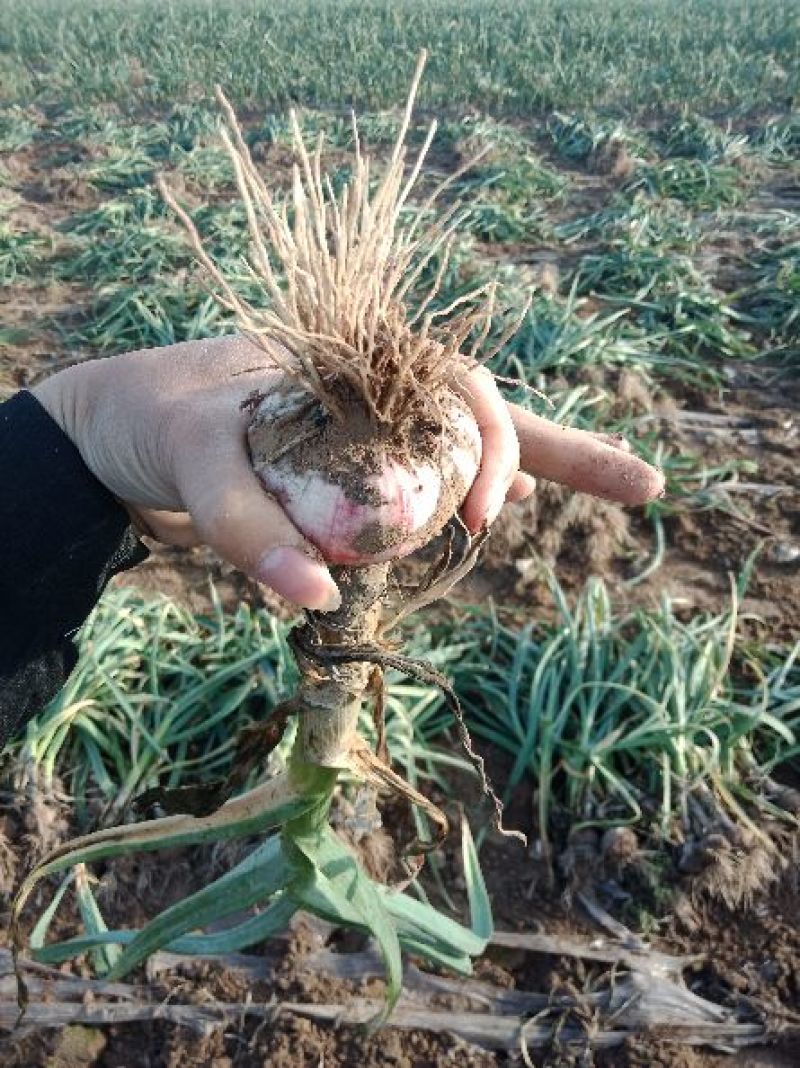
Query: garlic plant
[{"x": 370, "y": 448}]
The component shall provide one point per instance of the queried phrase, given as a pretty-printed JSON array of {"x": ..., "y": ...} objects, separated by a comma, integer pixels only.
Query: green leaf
[
  {"x": 259, "y": 809},
  {"x": 437, "y": 954},
  {"x": 105, "y": 957},
  {"x": 415, "y": 920},
  {"x": 333, "y": 884},
  {"x": 255, "y": 929},
  {"x": 39, "y": 933},
  {"x": 315, "y": 892},
  {"x": 256, "y": 879},
  {"x": 480, "y": 907}
]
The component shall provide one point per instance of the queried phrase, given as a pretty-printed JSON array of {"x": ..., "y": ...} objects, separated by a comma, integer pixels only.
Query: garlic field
[{"x": 630, "y": 677}]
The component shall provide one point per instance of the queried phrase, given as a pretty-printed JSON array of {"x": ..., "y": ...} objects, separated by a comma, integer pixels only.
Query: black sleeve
[{"x": 62, "y": 537}]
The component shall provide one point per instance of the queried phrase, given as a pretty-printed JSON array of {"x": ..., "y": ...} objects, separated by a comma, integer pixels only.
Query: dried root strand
[
  {"x": 336, "y": 271},
  {"x": 371, "y": 654},
  {"x": 479, "y": 764},
  {"x": 445, "y": 574}
]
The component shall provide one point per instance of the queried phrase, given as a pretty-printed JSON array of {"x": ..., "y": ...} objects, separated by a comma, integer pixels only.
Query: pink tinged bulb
[
  {"x": 348, "y": 531},
  {"x": 354, "y": 516}
]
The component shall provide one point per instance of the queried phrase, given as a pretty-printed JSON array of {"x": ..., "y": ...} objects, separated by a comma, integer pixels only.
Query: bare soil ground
[{"x": 749, "y": 961}]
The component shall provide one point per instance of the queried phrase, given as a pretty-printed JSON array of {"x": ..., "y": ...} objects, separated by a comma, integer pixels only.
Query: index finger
[{"x": 583, "y": 461}]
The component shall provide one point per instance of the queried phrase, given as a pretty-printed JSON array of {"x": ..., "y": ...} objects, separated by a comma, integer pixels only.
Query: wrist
[{"x": 66, "y": 397}]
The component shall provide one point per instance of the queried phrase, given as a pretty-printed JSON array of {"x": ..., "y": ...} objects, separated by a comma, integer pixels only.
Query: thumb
[{"x": 234, "y": 515}]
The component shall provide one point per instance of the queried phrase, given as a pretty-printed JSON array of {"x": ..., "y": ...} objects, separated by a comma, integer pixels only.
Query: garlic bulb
[{"x": 355, "y": 491}]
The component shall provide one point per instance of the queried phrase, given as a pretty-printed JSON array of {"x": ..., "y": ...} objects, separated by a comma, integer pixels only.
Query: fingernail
[
  {"x": 299, "y": 578},
  {"x": 496, "y": 502}
]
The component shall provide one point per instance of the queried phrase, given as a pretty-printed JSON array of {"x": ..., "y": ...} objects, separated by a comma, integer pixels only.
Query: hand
[
  {"x": 519, "y": 447},
  {"x": 164, "y": 431}
]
